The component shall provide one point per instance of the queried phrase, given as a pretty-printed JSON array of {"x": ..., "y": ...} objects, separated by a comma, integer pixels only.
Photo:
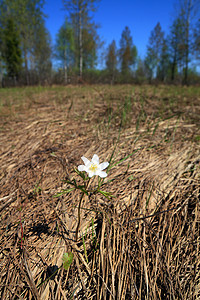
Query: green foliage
[
  {"x": 85, "y": 32},
  {"x": 140, "y": 73},
  {"x": 187, "y": 25},
  {"x": 84, "y": 246},
  {"x": 26, "y": 51},
  {"x": 126, "y": 109},
  {"x": 155, "y": 49},
  {"x": 175, "y": 46},
  {"x": 42, "y": 52},
  {"x": 196, "y": 41},
  {"x": 65, "y": 47},
  {"x": 127, "y": 51},
  {"x": 111, "y": 58},
  {"x": 108, "y": 195},
  {"x": 64, "y": 191},
  {"x": 163, "y": 70},
  {"x": 12, "y": 51},
  {"x": 90, "y": 42},
  {"x": 67, "y": 260},
  {"x": 33, "y": 37}
]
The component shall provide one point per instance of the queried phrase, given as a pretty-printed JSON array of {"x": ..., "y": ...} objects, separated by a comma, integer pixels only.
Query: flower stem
[
  {"x": 79, "y": 216},
  {"x": 79, "y": 210}
]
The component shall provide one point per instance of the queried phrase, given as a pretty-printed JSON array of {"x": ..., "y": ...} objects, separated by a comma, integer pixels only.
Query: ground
[{"x": 139, "y": 239}]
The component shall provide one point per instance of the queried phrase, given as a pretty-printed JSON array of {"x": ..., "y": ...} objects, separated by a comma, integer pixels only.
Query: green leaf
[
  {"x": 67, "y": 260},
  {"x": 70, "y": 182},
  {"x": 82, "y": 188},
  {"x": 84, "y": 246},
  {"x": 53, "y": 154},
  {"x": 130, "y": 178},
  {"x": 197, "y": 138},
  {"x": 81, "y": 174},
  {"x": 106, "y": 194},
  {"x": 64, "y": 192}
]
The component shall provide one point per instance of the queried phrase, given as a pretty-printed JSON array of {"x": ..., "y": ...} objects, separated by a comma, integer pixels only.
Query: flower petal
[
  {"x": 91, "y": 173},
  {"x": 82, "y": 168},
  {"x": 101, "y": 174},
  {"x": 103, "y": 165},
  {"x": 95, "y": 159},
  {"x": 85, "y": 160}
]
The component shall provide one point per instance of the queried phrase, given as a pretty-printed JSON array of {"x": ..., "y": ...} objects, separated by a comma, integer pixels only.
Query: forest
[{"x": 27, "y": 54}]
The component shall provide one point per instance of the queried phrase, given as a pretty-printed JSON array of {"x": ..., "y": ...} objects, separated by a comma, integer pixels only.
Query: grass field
[{"x": 138, "y": 240}]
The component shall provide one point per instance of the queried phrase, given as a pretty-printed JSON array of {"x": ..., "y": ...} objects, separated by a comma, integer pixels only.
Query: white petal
[
  {"x": 95, "y": 159},
  {"x": 101, "y": 174},
  {"x": 82, "y": 168},
  {"x": 104, "y": 165},
  {"x": 85, "y": 160},
  {"x": 91, "y": 173}
]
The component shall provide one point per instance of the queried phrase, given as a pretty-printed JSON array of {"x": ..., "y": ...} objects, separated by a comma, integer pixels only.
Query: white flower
[{"x": 93, "y": 167}]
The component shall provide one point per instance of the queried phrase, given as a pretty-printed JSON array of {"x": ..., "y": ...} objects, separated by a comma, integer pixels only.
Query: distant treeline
[{"x": 27, "y": 56}]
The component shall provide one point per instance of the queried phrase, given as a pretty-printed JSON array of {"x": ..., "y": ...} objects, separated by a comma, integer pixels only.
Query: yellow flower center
[{"x": 93, "y": 167}]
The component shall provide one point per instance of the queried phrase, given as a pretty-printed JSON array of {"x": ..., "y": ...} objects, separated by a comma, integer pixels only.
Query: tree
[
  {"x": 175, "y": 45},
  {"x": 65, "y": 47},
  {"x": 42, "y": 53},
  {"x": 164, "y": 63},
  {"x": 80, "y": 16},
  {"x": 12, "y": 52},
  {"x": 185, "y": 15},
  {"x": 140, "y": 74},
  {"x": 127, "y": 51},
  {"x": 196, "y": 43},
  {"x": 27, "y": 15},
  {"x": 154, "y": 51},
  {"x": 1, "y": 55},
  {"x": 111, "y": 60},
  {"x": 188, "y": 12},
  {"x": 90, "y": 46}
]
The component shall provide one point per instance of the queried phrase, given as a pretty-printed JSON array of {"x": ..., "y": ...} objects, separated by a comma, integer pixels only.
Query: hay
[{"x": 142, "y": 244}]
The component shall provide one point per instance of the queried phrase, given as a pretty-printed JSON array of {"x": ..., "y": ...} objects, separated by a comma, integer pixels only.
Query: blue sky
[{"x": 141, "y": 16}]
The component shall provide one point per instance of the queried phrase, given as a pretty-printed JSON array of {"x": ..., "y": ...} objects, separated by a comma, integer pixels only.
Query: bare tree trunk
[{"x": 80, "y": 45}]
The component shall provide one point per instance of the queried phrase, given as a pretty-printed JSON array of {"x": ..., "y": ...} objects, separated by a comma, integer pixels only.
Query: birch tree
[
  {"x": 80, "y": 14},
  {"x": 64, "y": 47}
]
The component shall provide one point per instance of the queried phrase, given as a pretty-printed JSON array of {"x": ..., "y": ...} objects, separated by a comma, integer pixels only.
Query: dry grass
[{"x": 142, "y": 244}]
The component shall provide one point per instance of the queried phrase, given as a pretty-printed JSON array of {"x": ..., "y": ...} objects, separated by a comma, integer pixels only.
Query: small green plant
[
  {"x": 155, "y": 128},
  {"x": 67, "y": 260},
  {"x": 37, "y": 189},
  {"x": 86, "y": 172},
  {"x": 125, "y": 117},
  {"x": 84, "y": 246},
  {"x": 197, "y": 138}
]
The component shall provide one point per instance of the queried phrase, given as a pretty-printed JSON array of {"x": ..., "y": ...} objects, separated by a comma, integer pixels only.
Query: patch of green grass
[{"x": 197, "y": 138}]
